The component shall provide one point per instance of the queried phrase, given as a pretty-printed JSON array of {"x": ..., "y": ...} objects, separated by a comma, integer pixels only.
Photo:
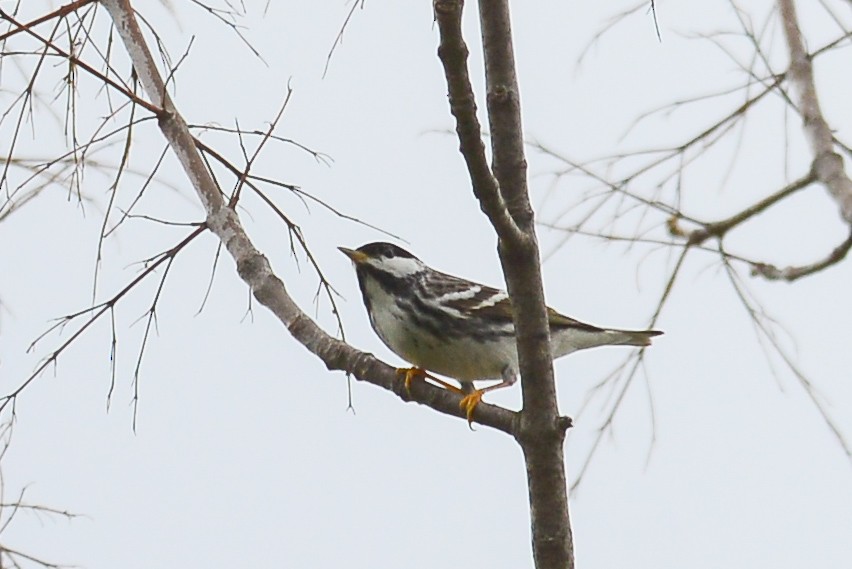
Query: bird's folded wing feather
[{"x": 489, "y": 303}]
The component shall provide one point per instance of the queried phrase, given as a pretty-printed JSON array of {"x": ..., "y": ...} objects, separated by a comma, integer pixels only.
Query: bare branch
[
  {"x": 827, "y": 164},
  {"x": 762, "y": 328},
  {"x": 228, "y": 17},
  {"x": 60, "y": 13},
  {"x": 124, "y": 90},
  {"x": 720, "y": 228},
  {"x": 98, "y": 311},
  {"x": 790, "y": 274},
  {"x": 453, "y": 53},
  {"x": 503, "y": 197},
  {"x": 338, "y": 40}
]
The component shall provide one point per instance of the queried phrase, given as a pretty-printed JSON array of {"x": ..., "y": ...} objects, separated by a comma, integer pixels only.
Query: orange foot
[
  {"x": 469, "y": 403},
  {"x": 411, "y": 373}
]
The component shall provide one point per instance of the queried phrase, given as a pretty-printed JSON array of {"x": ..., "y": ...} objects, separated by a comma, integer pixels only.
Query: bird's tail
[{"x": 633, "y": 337}]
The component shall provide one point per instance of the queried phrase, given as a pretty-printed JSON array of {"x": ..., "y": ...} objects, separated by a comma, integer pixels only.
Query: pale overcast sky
[{"x": 244, "y": 453}]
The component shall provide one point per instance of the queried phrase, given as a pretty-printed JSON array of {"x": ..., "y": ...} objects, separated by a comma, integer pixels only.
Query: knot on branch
[
  {"x": 461, "y": 103},
  {"x": 532, "y": 432},
  {"x": 253, "y": 266},
  {"x": 447, "y": 7},
  {"x": 164, "y": 116},
  {"x": 828, "y": 169},
  {"x": 564, "y": 423},
  {"x": 827, "y": 165},
  {"x": 340, "y": 356},
  {"x": 500, "y": 94}
]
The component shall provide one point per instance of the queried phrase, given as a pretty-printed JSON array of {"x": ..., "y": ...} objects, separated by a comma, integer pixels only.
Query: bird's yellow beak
[{"x": 356, "y": 256}]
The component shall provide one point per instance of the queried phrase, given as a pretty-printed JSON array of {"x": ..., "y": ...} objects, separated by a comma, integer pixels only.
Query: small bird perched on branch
[{"x": 457, "y": 328}]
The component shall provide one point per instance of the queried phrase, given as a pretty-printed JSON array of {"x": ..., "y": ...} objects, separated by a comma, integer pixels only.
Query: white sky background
[{"x": 245, "y": 454}]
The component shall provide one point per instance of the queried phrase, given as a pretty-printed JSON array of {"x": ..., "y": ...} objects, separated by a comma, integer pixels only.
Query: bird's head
[{"x": 384, "y": 258}]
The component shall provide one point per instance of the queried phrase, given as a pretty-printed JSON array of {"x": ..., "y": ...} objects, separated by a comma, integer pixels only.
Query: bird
[{"x": 456, "y": 328}]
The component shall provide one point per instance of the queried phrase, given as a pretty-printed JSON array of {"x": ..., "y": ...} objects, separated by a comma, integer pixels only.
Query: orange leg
[{"x": 417, "y": 373}]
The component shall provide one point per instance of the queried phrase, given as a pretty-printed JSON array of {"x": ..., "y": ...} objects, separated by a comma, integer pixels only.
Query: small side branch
[
  {"x": 790, "y": 274},
  {"x": 95, "y": 313},
  {"x": 721, "y": 228},
  {"x": 453, "y": 54}
]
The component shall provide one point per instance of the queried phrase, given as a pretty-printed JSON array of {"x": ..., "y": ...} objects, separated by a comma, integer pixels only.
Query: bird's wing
[
  {"x": 489, "y": 303},
  {"x": 468, "y": 298},
  {"x": 561, "y": 321}
]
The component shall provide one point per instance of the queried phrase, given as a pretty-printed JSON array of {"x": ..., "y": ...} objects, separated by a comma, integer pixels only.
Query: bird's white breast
[{"x": 461, "y": 358}]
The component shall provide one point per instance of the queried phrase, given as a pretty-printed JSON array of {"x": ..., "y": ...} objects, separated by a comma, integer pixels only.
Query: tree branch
[
  {"x": 827, "y": 164},
  {"x": 60, "y": 12},
  {"x": 541, "y": 435},
  {"x": 541, "y": 431},
  {"x": 453, "y": 53},
  {"x": 790, "y": 274},
  {"x": 722, "y": 227}
]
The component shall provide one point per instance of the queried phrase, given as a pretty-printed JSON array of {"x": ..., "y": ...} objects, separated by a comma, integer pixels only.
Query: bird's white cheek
[{"x": 399, "y": 267}]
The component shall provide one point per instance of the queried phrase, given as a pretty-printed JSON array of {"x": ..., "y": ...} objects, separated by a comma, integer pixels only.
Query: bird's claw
[
  {"x": 469, "y": 403},
  {"x": 411, "y": 373}
]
